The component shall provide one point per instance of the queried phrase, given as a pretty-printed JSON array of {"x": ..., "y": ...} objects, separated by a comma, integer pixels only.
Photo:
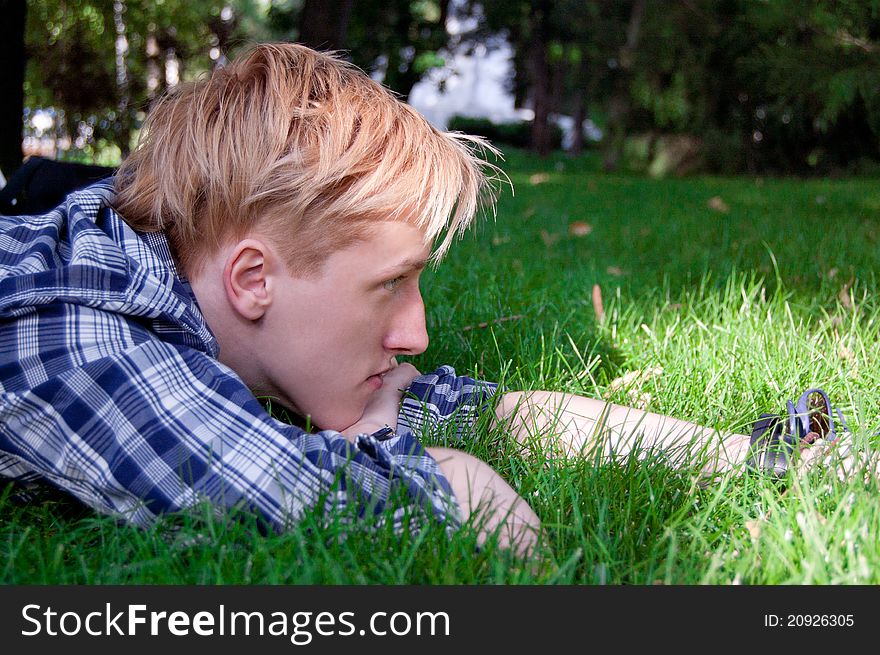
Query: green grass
[{"x": 741, "y": 309}]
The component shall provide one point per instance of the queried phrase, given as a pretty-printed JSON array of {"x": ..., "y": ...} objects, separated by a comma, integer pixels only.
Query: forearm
[
  {"x": 364, "y": 426},
  {"x": 571, "y": 425}
]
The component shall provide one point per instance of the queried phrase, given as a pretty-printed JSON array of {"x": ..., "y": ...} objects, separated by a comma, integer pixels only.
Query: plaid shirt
[{"x": 110, "y": 389}]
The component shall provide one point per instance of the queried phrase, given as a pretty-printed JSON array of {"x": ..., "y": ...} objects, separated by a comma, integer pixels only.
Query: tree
[
  {"x": 529, "y": 27},
  {"x": 324, "y": 25},
  {"x": 97, "y": 64},
  {"x": 619, "y": 102},
  {"x": 593, "y": 42},
  {"x": 540, "y": 74},
  {"x": 790, "y": 85},
  {"x": 565, "y": 55},
  {"x": 401, "y": 39},
  {"x": 787, "y": 86},
  {"x": 397, "y": 40},
  {"x": 12, "y": 54},
  {"x": 814, "y": 84}
]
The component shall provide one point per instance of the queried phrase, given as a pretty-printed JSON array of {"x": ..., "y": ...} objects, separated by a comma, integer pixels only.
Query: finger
[{"x": 402, "y": 375}]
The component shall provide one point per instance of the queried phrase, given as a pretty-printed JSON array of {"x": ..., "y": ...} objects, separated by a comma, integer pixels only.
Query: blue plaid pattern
[
  {"x": 110, "y": 390},
  {"x": 444, "y": 406}
]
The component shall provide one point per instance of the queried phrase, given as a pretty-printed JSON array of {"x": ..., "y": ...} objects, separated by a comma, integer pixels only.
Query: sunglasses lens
[{"x": 819, "y": 414}]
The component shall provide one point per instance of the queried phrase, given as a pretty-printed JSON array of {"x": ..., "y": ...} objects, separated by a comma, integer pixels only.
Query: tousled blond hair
[{"x": 304, "y": 148}]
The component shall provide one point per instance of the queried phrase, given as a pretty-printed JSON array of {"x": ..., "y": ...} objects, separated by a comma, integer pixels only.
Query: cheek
[
  {"x": 321, "y": 365},
  {"x": 326, "y": 386},
  {"x": 344, "y": 412}
]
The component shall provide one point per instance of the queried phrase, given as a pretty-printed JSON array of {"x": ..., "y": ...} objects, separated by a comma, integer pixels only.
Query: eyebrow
[{"x": 408, "y": 264}]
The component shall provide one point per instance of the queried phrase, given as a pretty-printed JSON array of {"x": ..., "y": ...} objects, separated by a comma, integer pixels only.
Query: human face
[{"x": 329, "y": 338}]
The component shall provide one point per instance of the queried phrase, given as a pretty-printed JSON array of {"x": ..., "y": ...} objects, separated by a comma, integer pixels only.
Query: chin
[{"x": 339, "y": 421}]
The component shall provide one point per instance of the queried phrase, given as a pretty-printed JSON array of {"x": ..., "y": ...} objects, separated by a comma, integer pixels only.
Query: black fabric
[
  {"x": 41, "y": 184},
  {"x": 770, "y": 447}
]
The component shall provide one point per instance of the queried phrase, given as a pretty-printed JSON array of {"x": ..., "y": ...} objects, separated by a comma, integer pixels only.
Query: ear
[{"x": 246, "y": 279}]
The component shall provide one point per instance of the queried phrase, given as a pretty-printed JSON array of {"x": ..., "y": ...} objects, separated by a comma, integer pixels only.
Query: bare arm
[
  {"x": 476, "y": 486},
  {"x": 570, "y": 426}
]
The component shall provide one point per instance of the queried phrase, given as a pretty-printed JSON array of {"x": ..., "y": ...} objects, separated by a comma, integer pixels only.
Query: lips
[{"x": 376, "y": 381}]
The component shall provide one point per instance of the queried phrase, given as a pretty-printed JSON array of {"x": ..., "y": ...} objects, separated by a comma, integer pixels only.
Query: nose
[{"x": 407, "y": 334}]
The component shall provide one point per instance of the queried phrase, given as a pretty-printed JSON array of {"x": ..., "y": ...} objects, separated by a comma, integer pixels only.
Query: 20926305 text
[{"x": 809, "y": 620}]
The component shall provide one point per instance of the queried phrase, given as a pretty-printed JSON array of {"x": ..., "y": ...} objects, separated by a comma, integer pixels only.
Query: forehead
[{"x": 388, "y": 245}]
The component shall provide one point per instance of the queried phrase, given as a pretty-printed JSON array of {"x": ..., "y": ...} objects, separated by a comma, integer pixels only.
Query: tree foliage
[
  {"x": 396, "y": 40},
  {"x": 97, "y": 64},
  {"x": 789, "y": 85},
  {"x": 11, "y": 84}
]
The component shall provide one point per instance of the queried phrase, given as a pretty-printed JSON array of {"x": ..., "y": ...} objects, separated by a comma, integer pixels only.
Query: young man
[{"x": 266, "y": 239}]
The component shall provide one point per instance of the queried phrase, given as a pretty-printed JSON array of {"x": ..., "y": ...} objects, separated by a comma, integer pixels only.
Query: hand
[
  {"x": 383, "y": 407},
  {"x": 840, "y": 456}
]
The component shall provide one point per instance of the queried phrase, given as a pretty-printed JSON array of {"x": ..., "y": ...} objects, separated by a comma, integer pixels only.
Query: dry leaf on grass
[
  {"x": 717, "y": 204},
  {"x": 579, "y": 228},
  {"x": 845, "y": 353},
  {"x": 549, "y": 239},
  {"x": 844, "y": 296},
  {"x": 754, "y": 528},
  {"x": 538, "y": 178},
  {"x": 635, "y": 377},
  {"x": 614, "y": 270},
  {"x": 485, "y": 324},
  {"x": 598, "y": 306},
  {"x": 632, "y": 382}
]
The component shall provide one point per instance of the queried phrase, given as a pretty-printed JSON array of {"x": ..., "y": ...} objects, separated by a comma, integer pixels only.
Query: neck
[{"x": 235, "y": 335}]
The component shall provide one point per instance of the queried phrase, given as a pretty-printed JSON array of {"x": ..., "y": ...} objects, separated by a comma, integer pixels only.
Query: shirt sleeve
[
  {"x": 159, "y": 427},
  {"x": 444, "y": 405}
]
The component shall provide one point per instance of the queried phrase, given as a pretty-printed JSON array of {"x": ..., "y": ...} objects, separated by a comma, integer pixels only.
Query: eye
[{"x": 391, "y": 285}]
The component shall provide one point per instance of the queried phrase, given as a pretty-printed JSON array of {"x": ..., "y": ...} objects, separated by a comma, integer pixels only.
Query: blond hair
[{"x": 302, "y": 147}]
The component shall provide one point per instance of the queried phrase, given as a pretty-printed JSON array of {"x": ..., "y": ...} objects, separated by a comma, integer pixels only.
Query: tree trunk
[
  {"x": 539, "y": 72},
  {"x": 619, "y": 105},
  {"x": 12, "y": 54},
  {"x": 582, "y": 96},
  {"x": 323, "y": 25},
  {"x": 580, "y": 115},
  {"x": 123, "y": 136},
  {"x": 401, "y": 75}
]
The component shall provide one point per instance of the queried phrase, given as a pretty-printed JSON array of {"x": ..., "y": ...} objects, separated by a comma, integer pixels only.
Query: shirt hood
[{"x": 83, "y": 252}]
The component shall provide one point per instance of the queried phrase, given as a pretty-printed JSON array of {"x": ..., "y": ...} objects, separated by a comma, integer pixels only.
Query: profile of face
[{"x": 327, "y": 339}]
